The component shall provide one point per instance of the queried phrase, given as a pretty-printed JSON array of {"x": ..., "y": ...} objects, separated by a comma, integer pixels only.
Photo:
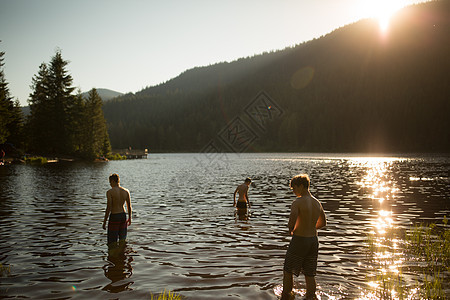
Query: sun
[{"x": 381, "y": 10}]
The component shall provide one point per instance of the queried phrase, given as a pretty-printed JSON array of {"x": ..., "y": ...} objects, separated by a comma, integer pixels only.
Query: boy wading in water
[
  {"x": 242, "y": 189},
  {"x": 306, "y": 217},
  {"x": 117, "y": 196}
]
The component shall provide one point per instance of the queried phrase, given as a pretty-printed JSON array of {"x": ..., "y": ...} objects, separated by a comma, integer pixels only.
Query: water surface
[{"x": 185, "y": 236}]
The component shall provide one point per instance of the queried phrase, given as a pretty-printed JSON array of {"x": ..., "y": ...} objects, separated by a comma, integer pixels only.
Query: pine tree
[
  {"x": 40, "y": 112},
  {"x": 77, "y": 115},
  {"x": 11, "y": 117},
  {"x": 61, "y": 98},
  {"x": 4, "y": 104},
  {"x": 51, "y": 102},
  {"x": 63, "y": 123},
  {"x": 96, "y": 141}
]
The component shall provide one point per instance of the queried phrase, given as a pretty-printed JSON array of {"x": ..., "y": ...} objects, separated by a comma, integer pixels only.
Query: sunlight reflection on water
[{"x": 385, "y": 282}]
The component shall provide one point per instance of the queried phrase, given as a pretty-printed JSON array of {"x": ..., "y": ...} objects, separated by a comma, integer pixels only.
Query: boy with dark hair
[{"x": 306, "y": 217}]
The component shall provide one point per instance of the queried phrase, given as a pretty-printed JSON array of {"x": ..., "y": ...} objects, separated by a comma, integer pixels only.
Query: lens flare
[{"x": 302, "y": 78}]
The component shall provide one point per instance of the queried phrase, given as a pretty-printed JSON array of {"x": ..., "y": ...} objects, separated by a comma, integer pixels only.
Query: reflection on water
[
  {"x": 187, "y": 237},
  {"x": 118, "y": 269},
  {"x": 384, "y": 280}
]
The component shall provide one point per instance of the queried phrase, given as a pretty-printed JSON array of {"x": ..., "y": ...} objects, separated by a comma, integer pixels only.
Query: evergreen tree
[
  {"x": 78, "y": 121},
  {"x": 96, "y": 140},
  {"x": 61, "y": 99},
  {"x": 4, "y": 104},
  {"x": 53, "y": 107},
  {"x": 63, "y": 123},
  {"x": 40, "y": 112},
  {"x": 11, "y": 118}
]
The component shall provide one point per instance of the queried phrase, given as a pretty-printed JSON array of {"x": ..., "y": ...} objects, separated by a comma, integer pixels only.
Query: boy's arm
[
  {"x": 128, "y": 200},
  {"x": 246, "y": 197},
  {"x": 322, "y": 221},
  {"x": 293, "y": 217},
  {"x": 108, "y": 208},
  {"x": 234, "y": 197}
]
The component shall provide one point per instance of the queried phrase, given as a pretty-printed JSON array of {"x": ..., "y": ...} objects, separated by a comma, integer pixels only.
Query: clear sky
[{"x": 128, "y": 45}]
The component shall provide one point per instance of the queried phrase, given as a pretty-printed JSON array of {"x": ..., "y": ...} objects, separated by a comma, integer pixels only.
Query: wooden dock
[{"x": 132, "y": 153}]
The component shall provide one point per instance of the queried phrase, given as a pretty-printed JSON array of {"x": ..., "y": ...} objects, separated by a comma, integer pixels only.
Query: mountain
[
  {"x": 353, "y": 90},
  {"x": 105, "y": 94}
]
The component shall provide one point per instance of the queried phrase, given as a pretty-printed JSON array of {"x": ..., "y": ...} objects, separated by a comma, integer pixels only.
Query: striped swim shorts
[
  {"x": 301, "y": 256},
  {"x": 117, "y": 227}
]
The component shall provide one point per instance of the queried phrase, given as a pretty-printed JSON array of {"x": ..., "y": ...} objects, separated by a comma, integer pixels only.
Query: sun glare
[{"x": 381, "y": 10}]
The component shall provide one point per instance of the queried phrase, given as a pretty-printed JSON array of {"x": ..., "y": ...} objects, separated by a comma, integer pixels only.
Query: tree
[
  {"x": 60, "y": 101},
  {"x": 11, "y": 118},
  {"x": 40, "y": 112},
  {"x": 61, "y": 122},
  {"x": 51, "y": 102},
  {"x": 96, "y": 140}
]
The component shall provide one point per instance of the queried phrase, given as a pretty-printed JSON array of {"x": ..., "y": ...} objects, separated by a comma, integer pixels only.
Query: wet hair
[
  {"x": 301, "y": 179},
  {"x": 114, "y": 177},
  {"x": 248, "y": 179}
]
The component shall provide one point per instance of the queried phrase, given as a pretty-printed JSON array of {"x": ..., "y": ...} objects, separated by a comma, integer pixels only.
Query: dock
[{"x": 132, "y": 153}]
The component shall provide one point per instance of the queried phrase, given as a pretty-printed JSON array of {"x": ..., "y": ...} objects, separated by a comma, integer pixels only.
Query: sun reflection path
[{"x": 384, "y": 280}]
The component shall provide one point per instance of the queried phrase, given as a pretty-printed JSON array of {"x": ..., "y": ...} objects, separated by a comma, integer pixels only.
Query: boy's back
[
  {"x": 117, "y": 195},
  {"x": 307, "y": 210}
]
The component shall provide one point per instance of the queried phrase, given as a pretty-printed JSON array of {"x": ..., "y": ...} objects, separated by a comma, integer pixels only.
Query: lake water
[{"x": 185, "y": 236}]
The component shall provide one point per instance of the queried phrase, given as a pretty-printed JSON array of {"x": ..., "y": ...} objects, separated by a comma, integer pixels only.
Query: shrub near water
[
  {"x": 38, "y": 160},
  {"x": 116, "y": 156}
]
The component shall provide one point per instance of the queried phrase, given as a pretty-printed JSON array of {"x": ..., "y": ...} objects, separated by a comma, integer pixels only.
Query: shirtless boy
[
  {"x": 117, "y": 196},
  {"x": 242, "y": 190},
  {"x": 306, "y": 217}
]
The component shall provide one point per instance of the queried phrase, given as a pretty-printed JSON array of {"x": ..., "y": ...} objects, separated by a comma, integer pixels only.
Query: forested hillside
[
  {"x": 354, "y": 89},
  {"x": 105, "y": 94}
]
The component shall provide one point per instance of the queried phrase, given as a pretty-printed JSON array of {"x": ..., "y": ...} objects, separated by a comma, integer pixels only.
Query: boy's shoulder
[
  {"x": 243, "y": 186},
  {"x": 124, "y": 189}
]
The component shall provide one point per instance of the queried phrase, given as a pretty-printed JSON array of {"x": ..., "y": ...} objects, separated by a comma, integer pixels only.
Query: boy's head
[
  {"x": 247, "y": 180},
  {"x": 302, "y": 179},
  {"x": 114, "y": 178}
]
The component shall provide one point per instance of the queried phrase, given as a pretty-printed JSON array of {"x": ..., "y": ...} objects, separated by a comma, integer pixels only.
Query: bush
[
  {"x": 37, "y": 160},
  {"x": 116, "y": 156}
]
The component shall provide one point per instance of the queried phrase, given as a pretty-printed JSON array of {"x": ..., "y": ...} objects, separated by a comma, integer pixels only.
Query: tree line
[
  {"x": 61, "y": 122},
  {"x": 353, "y": 90}
]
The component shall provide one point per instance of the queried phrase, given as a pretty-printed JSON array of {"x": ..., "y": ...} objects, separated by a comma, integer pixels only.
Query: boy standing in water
[
  {"x": 243, "y": 200},
  {"x": 117, "y": 196},
  {"x": 306, "y": 217}
]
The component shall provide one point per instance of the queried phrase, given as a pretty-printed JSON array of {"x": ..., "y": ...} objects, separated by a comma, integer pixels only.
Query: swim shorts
[
  {"x": 241, "y": 205},
  {"x": 117, "y": 227},
  {"x": 301, "y": 256}
]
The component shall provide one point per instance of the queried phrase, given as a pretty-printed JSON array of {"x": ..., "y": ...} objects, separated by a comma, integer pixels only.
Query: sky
[{"x": 129, "y": 45}]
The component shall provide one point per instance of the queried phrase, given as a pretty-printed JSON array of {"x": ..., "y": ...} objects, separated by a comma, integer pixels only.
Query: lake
[{"x": 185, "y": 235}]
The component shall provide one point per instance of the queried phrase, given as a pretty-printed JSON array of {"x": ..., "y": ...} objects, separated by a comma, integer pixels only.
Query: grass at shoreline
[
  {"x": 431, "y": 244},
  {"x": 422, "y": 253},
  {"x": 166, "y": 295},
  {"x": 5, "y": 270}
]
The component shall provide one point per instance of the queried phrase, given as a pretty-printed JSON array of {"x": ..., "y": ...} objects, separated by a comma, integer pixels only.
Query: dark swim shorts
[
  {"x": 117, "y": 227},
  {"x": 301, "y": 256},
  {"x": 241, "y": 205}
]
